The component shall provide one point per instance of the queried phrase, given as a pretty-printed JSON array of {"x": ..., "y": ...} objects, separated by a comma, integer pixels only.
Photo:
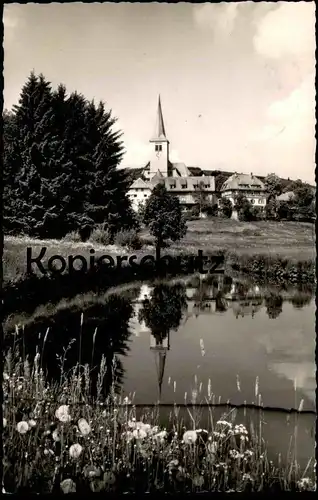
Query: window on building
[
  {"x": 158, "y": 147},
  {"x": 172, "y": 186},
  {"x": 252, "y": 201},
  {"x": 207, "y": 185},
  {"x": 184, "y": 186},
  {"x": 145, "y": 195},
  {"x": 135, "y": 196}
]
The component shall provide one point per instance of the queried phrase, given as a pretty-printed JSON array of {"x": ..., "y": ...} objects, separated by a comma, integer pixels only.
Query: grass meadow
[{"x": 292, "y": 241}]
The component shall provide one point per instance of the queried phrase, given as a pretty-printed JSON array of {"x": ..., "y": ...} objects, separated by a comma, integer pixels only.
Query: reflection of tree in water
[
  {"x": 301, "y": 299},
  {"x": 164, "y": 310},
  {"x": 109, "y": 319},
  {"x": 274, "y": 305}
]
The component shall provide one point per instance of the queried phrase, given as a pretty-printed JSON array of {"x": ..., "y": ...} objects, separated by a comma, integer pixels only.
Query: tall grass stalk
[{"x": 113, "y": 450}]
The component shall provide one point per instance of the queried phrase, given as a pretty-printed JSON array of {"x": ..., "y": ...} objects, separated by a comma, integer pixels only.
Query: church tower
[
  {"x": 160, "y": 349},
  {"x": 160, "y": 147}
]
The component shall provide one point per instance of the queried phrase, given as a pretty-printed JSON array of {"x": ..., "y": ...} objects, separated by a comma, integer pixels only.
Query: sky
[{"x": 236, "y": 80}]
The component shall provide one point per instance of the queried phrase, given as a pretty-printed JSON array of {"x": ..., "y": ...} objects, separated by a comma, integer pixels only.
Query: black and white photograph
[{"x": 159, "y": 249}]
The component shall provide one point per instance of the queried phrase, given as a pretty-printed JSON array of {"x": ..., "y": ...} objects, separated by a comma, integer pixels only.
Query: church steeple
[
  {"x": 160, "y": 132},
  {"x": 160, "y": 152}
]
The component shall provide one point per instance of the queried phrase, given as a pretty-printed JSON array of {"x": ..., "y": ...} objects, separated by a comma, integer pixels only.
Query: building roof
[
  {"x": 156, "y": 178},
  {"x": 139, "y": 183},
  {"x": 242, "y": 181},
  {"x": 180, "y": 169},
  {"x": 188, "y": 184},
  {"x": 160, "y": 133},
  {"x": 286, "y": 196}
]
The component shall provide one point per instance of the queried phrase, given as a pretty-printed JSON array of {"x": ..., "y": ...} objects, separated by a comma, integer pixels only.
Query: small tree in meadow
[
  {"x": 164, "y": 217},
  {"x": 200, "y": 197},
  {"x": 226, "y": 207},
  {"x": 243, "y": 208}
]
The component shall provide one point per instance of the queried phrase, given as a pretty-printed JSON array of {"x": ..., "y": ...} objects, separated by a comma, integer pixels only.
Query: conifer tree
[{"x": 61, "y": 159}]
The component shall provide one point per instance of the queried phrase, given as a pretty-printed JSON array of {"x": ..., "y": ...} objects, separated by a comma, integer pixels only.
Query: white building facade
[
  {"x": 177, "y": 177},
  {"x": 249, "y": 186}
]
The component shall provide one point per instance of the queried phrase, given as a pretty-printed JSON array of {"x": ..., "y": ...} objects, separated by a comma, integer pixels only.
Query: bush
[
  {"x": 128, "y": 238},
  {"x": 72, "y": 236},
  {"x": 85, "y": 232},
  {"x": 101, "y": 236}
]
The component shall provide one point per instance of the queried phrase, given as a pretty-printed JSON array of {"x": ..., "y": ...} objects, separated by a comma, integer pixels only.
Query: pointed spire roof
[
  {"x": 160, "y": 365},
  {"x": 159, "y": 133}
]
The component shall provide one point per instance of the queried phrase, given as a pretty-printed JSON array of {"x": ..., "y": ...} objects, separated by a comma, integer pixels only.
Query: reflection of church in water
[
  {"x": 159, "y": 347},
  {"x": 203, "y": 298}
]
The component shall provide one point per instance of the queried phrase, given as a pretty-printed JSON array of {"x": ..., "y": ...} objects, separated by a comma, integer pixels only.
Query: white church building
[{"x": 177, "y": 177}]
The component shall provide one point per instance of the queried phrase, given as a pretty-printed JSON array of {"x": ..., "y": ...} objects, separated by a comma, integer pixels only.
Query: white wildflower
[
  {"x": 22, "y": 427},
  {"x": 62, "y": 413},
  {"x": 173, "y": 463},
  {"x": 129, "y": 436},
  {"x": 75, "y": 450},
  {"x": 84, "y": 427},
  {"x": 32, "y": 423},
  {"x": 235, "y": 454},
  {"x": 5, "y": 376},
  {"x": 224, "y": 423},
  {"x": 55, "y": 435},
  {"x": 212, "y": 447},
  {"x": 198, "y": 481},
  {"x": 304, "y": 483},
  {"x": 68, "y": 486},
  {"x": 249, "y": 453},
  {"x": 160, "y": 436},
  {"x": 139, "y": 433},
  {"x": 247, "y": 477},
  {"x": 190, "y": 437}
]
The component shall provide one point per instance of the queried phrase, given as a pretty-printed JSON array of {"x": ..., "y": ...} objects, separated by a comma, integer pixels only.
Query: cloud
[
  {"x": 288, "y": 30},
  {"x": 285, "y": 37},
  {"x": 287, "y": 140},
  {"x": 218, "y": 17}
]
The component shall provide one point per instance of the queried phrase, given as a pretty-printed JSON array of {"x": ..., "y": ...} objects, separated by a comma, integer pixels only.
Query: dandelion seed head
[
  {"x": 84, "y": 427},
  {"x": 75, "y": 450},
  {"x": 190, "y": 437},
  {"x": 22, "y": 427},
  {"x": 62, "y": 414}
]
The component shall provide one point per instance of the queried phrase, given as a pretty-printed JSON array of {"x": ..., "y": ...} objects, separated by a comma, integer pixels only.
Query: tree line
[{"x": 61, "y": 154}]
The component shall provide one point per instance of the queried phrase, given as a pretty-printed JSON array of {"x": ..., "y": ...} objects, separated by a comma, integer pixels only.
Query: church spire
[{"x": 160, "y": 133}]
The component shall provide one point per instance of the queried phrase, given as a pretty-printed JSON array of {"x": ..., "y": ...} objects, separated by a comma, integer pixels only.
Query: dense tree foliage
[
  {"x": 61, "y": 155},
  {"x": 243, "y": 208},
  {"x": 200, "y": 197},
  {"x": 273, "y": 186},
  {"x": 164, "y": 217},
  {"x": 226, "y": 207}
]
